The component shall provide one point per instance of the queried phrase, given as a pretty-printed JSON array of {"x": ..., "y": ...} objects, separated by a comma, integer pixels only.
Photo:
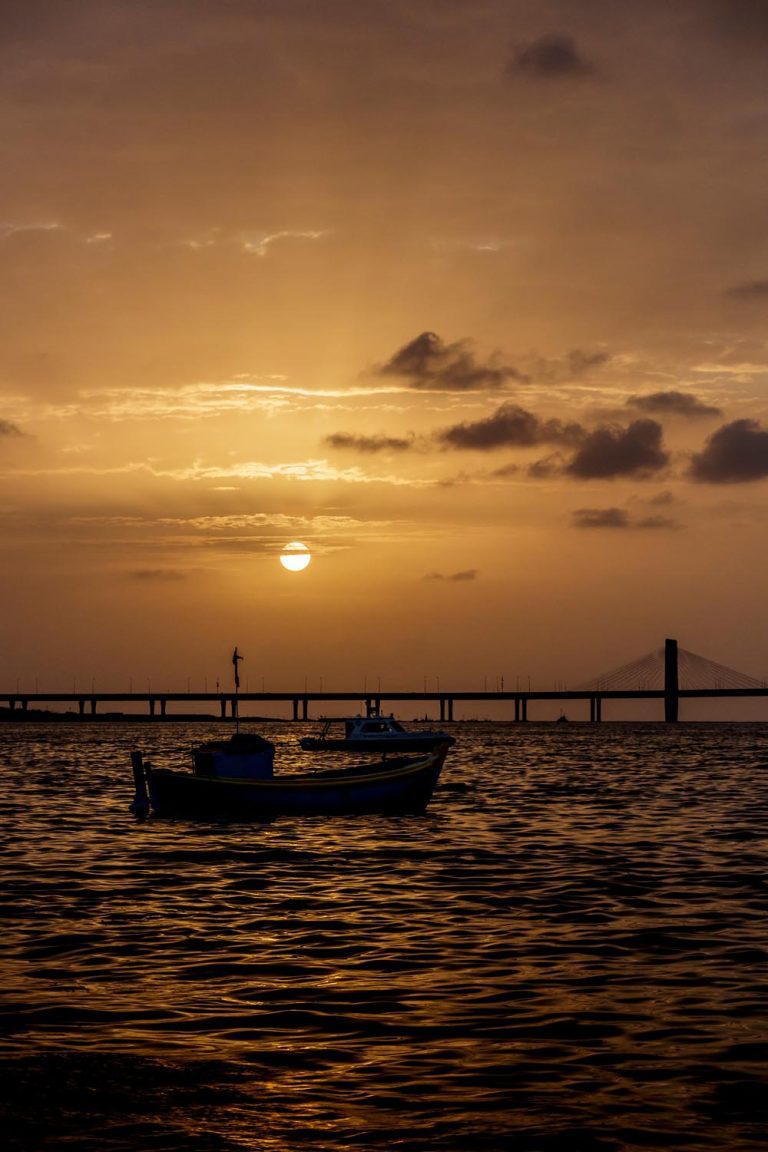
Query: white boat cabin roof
[{"x": 364, "y": 725}]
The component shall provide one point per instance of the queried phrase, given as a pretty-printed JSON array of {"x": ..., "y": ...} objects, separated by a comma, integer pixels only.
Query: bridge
[{"x": 670, "y": 674}]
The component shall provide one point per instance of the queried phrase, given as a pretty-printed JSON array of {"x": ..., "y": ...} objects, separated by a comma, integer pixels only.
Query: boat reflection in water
[{"x": 235, "y": 778}]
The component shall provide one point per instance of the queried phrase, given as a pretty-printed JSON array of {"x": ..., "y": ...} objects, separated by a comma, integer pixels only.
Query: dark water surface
[{"x": 568, "y": 952}]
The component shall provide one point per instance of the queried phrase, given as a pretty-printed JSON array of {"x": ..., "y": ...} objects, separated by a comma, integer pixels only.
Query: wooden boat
[
  {"x": 223, "y": 783},
  {"x": 372, "y": 733}
]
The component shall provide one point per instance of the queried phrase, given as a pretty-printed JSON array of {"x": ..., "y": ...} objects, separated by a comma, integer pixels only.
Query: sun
[{"x": 295, "y": 556}]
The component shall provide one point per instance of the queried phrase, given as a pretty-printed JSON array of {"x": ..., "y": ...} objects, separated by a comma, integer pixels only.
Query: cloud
[
  {"x": 260, "y": 245},
  {"x": 506, "y": 471},
  {"x": 614, "y": 451},
  {"x": 662, "y": 522},
  {"x": 662, "y": 499},
  {"x": 152, "y": 575},
  {"x": 550, "y": 57},
  {"x": 246, "y": 470},
  {"x": 241, "y": 393},
  {"x": 8, "y": 429},
  {"x": 510, "y": 426},
  {"x": 429, "y": 363},
  {"x": 250, "y": 243},
  {"x": 745, "y": 369},
  {"x": 751, "y": 290},
  {"x": 8, "y": 229},
  {"x": 673, "y": 403},
  {"x": 548, "y": 466},
  {"x": 455, "y": 577},
  {"x": 735, "y": 454},
  {"x": 580, "y": 362},
  {"x": 485, "y": 245},
  {"x": 619, "y": 518},
  {"x": 600, "y": 518},
  {"x": 573, "y": 365},
  {"x": 298, "y": 472},
  {"x": 369, "y": 444}
]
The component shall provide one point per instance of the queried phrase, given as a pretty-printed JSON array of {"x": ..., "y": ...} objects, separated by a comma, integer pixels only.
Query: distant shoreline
[{"x": 44, "y": 716}]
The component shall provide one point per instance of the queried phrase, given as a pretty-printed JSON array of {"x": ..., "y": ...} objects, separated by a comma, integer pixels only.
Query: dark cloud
[
  {"x": 751, "y": 290},
  {"x": 455, "y": 577},
  {"x": 369, "y": 444},
  {"x": 600, "y": 518},
  {"x": 550, "y": 57},
  {"x": 673, "y": 403},
  {"x": 618, "y": 518},
  {"x": 510, "y": 427},
  {"x": 151, "y": 575},
  {"x": 665, "y": 523},
  {"x": 614, "y": 451},
  {"x": 662, "y": 499},
  {"x": 574, "y": 365},
  {"x": 431, "y": 364},
  {"x": 580, "y": 362},
  {"x": 734, "y": 454},
  {"x": 552, "y": 465},
  {"x": 8, "y": 429}
]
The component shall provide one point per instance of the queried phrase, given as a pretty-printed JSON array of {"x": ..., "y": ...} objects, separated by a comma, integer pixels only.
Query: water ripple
[{"x": 567, "y": 953}]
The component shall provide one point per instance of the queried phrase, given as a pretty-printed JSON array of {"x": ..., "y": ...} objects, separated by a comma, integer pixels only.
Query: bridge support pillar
[
  {"x": 450, "y": 708},
  {"x": 93, "y": 705},
  {"x": 151, "y": 706},
  {"x": 595, "y": 709},
  {"x": 81, "y": 707},
  {"x": 523, "y": 709},
  {"x": 162, "y": 708},
  {"x": 671, "y": 686},
  {"x": 295, "y": 708},
  {"x": 305, "y": 708},
  {"x": 223, "y": 707}
]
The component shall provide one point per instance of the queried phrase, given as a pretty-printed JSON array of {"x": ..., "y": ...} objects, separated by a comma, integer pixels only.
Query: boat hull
[{"x": 393, "y": 786}]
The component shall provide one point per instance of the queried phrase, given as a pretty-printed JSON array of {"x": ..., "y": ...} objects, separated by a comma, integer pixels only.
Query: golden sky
[{"x": 470, "y": 296}]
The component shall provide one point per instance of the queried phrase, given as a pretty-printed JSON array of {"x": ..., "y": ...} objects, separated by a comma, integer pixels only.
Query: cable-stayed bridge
[
  {"x": 669, "y": 674},
  {"x": 674, "y": 673},
  {"x": 693, "y": 672}
]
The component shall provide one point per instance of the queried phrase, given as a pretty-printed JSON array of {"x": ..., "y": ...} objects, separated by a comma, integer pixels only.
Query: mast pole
[{"x": 236, "y": 658}]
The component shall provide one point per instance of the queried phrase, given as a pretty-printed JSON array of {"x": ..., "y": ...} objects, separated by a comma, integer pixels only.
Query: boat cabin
[
  {"x": 372, "y": 726},
  {"x": 244, "y": 756}
]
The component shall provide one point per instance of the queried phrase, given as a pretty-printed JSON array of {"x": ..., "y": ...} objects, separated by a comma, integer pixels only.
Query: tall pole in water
[
  {"x": 236, "y": 658},
  {"x": 671, "y": 686}
]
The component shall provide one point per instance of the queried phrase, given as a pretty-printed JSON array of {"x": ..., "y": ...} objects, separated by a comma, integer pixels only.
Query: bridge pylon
[{"x": 671, "y": 684}]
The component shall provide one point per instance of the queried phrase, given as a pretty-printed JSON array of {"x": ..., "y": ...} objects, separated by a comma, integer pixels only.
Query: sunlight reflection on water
[{"x": 567, "y": 951}]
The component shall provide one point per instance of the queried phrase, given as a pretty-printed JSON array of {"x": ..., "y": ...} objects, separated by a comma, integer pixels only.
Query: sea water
[{"x": 567, "y": 953}]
